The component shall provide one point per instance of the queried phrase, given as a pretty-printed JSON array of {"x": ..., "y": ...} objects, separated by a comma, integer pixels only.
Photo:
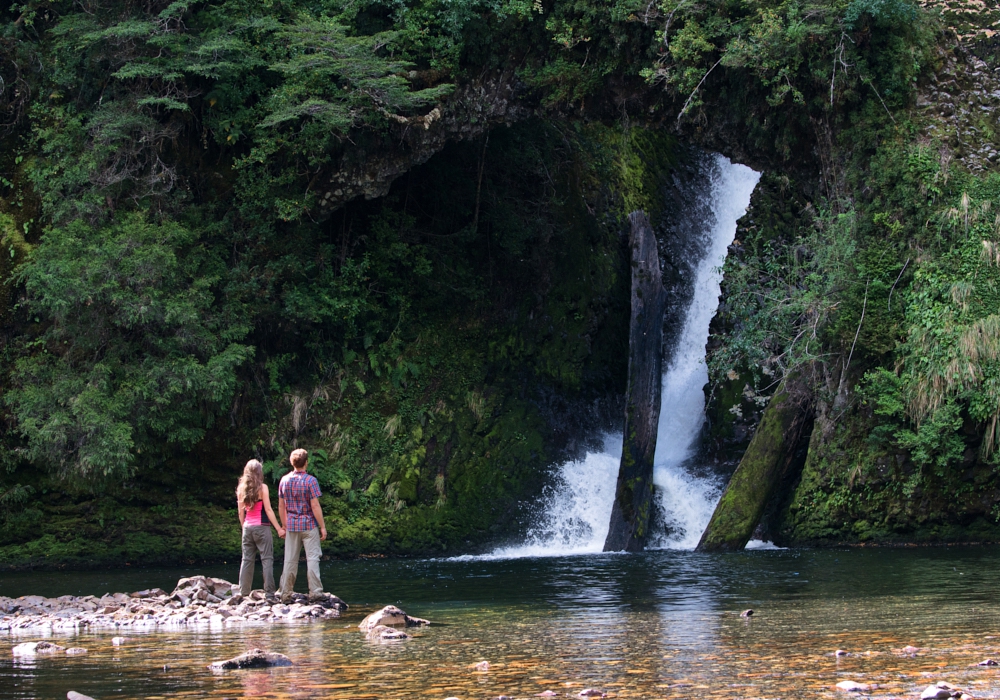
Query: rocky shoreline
[{"x": 197, "y": 601}]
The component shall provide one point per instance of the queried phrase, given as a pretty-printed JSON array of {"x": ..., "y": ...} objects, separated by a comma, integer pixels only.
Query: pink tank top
[{"x": 255, "y": 515}]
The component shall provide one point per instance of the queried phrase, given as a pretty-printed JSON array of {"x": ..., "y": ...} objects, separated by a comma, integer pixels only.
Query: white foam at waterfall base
[{"x": 577, "y": 507}]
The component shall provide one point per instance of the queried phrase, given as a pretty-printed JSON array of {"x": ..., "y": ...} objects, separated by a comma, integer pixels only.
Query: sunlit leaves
[{"x": 135, "y": 353}]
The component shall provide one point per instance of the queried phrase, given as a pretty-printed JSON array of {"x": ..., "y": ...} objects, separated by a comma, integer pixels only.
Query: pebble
[
  {"x": 840, "y": 652},
  {"x": 196, "y": 601},
  {"x": 747, "y": 613},
  {"x": 482, "y": 666},
  {"x": 987, "y": 662},
  {"x": 592, "y": 693}
]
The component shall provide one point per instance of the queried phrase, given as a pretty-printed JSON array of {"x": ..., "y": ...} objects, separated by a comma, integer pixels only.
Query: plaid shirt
[{"x": 296, "y": 489}]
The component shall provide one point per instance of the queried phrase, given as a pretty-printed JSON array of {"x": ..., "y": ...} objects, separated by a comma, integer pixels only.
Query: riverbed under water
[{"x": 655, "y": 625}]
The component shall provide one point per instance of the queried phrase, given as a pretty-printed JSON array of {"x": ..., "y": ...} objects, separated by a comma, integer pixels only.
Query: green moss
[{"x": 754, "y": 482}]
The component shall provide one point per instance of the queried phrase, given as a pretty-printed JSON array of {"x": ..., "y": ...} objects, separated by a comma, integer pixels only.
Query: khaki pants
[
  {"x": 294, "y": 541},
  {"x": 257, "y": 538}
]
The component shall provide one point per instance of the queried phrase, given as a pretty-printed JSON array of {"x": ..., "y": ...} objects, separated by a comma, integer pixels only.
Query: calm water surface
[{"x": 656, "y": 625}]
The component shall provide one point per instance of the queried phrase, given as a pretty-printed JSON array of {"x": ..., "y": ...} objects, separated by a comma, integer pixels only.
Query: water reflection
[{"x": 665, "y": 624}]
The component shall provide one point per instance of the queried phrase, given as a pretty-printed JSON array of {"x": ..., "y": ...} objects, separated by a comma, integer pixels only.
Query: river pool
[{"x": 655, "y": 625}]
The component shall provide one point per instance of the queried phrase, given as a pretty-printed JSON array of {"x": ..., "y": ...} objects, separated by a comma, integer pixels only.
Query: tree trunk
[
  {"x": 630, "y": 516},
  {"x": 763, "y": 467}
]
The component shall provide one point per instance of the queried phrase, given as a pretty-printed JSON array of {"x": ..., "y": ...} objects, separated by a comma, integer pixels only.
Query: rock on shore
[{"x": 195, "y": 601}]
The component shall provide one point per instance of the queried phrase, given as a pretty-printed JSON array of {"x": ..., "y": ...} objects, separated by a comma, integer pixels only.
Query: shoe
[
  {"x": 271, "y": 598},
  {"x": 286, "y": 599},
  {"x": 317, "y": 598}
]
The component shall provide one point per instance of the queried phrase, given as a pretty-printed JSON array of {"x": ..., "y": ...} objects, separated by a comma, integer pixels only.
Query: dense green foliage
[{"x": 179, "y": 296}]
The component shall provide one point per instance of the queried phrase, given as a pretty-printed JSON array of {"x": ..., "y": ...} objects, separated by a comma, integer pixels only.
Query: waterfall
[
  {"x": 577, "y": 506},
  {"x": 686, "y": 500}
]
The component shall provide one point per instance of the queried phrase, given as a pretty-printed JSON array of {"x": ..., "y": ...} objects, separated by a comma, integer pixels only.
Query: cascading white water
[
  {"x": 686, "y": 501},
  {"x": 577, "y": 508}
]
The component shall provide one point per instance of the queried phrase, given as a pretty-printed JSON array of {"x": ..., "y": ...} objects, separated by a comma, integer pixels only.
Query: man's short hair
[{"x": 299, "y": 458}]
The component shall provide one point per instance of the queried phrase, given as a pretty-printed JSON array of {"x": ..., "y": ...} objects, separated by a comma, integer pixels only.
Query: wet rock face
[
  {"x": 369, "y": 165},
  {"x": 630, "y": 515},
  {"x": 255, "y": 658},
  {"x": 195, "y": 601}
]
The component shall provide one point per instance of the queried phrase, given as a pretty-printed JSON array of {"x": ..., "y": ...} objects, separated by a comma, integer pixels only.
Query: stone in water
[
  {"x": 854, "y": 687},
  {"x": 255, "y": 658},
  {"x": 390, "y": 616},
  {"x": 34, "y": 648}
]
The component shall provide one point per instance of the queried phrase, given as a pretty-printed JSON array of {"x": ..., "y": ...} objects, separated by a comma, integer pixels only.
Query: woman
[{"x": 254, "y": 504}]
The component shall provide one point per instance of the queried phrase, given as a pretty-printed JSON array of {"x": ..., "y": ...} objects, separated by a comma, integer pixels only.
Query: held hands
[{"x": 281, "y": 532}]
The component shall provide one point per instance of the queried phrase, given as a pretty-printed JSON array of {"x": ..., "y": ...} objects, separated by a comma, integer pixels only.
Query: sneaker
[
  {"x": 317, "y": 598},
  {"x": 286, "y": 598},
  {"x": 271, "y": 598}
]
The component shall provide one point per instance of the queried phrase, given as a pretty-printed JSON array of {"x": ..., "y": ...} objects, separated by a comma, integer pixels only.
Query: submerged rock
[
  {"x": 75, "y": 651},
  {"x": 255, "y": 658},
  {"x": 987, "y": 662},
  {"x": 747, "y": 613},
  {"x": 482, "y": 666},
  {"x": 592, "y": 693},
  {"x": 841, "y": 652},
  {"x": 73, "y": 695},
  {"x": 382, "y": 633},
  {"x": 390, "y": 616},
  {"x": 36, "y": 648},
  {"x": 855, "y": 687}
]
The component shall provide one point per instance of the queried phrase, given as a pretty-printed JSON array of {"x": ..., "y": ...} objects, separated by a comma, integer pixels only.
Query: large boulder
[
  {"x": 390, "y": 616},
  {"x": 255, "y": 658}
]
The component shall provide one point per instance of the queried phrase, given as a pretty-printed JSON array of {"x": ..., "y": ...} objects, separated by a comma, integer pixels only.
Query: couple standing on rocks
[{"x": 301, "y": 525}]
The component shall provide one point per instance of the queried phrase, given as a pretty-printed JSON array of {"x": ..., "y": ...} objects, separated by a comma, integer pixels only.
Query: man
[{"x": 300, "y": 512}]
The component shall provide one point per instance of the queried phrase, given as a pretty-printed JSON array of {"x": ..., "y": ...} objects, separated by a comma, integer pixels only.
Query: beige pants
[
  {"x": 257, "y": 538},
  {"x": 294, "y": 541}
]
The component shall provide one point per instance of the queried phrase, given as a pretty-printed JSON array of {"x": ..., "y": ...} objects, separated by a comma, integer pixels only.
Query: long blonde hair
[{"x": 248, "y": 490}]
